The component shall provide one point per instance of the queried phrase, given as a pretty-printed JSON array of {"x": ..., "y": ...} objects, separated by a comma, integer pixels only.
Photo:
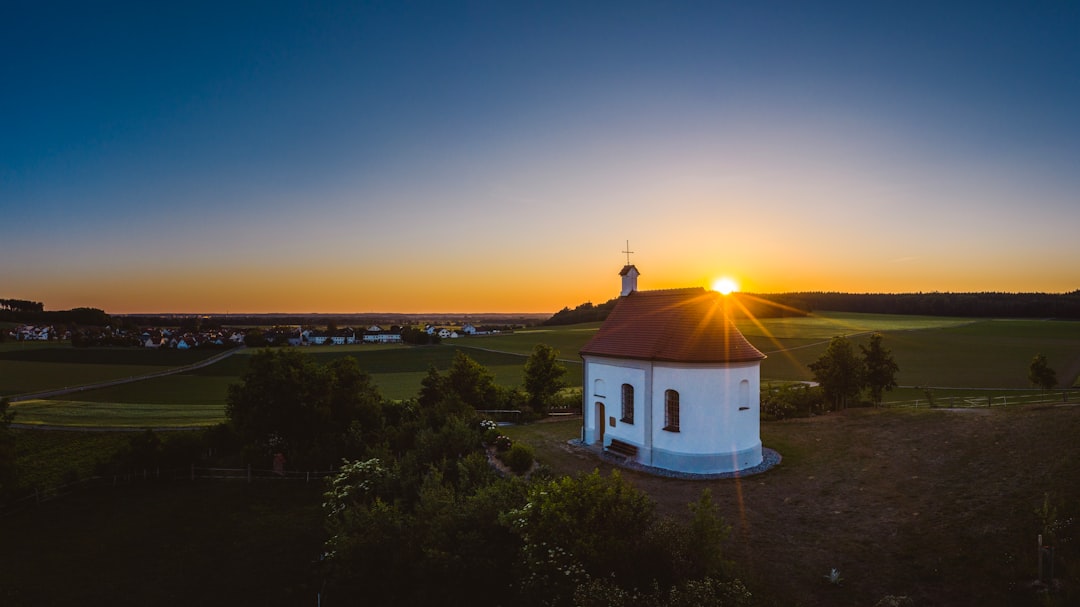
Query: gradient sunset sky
[{"x": 495, "y": 156}]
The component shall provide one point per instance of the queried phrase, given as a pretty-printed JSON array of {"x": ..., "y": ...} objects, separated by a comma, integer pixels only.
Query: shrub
[
  {"x": 791, "y": 400},
  {"x": 502, "y": 442},
  {"x": 519, "y": 457}
]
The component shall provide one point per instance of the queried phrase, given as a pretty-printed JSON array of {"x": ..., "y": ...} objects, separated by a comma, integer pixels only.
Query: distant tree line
[
  {"x": 79, "y": 316},
  {"x": 21, "y": 305},
  {"x": 737, "y": 305},
  {"x": 776, "y": 305},
  {"x": 996, "y": 305}
]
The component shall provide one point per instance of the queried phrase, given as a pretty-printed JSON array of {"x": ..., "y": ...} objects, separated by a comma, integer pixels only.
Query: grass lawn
[{"x": 935, "y": 505}]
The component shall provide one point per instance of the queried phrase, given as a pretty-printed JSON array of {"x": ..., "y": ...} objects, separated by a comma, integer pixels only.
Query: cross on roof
[{"x": 628, "y": 252}]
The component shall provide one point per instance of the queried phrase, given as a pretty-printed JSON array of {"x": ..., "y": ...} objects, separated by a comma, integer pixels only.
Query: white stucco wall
[
  {"x": 609, "y": 392},
  {"x": 720, "y": 423},
  {"x": 719, "y": 426}
]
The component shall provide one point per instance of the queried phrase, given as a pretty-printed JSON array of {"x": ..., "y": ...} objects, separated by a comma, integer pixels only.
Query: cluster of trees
[
  {"x": 1041, "y": 374},
  {"x": 418, "y": 515},
  {"x": 95, "y": 336},
  {"x": 586, "y": 312},
  {"x": 318, "y": 413},
  {"x": 843, "y": 376},
  {"x": 418, "y": 337},
  {"x": 460, "y": 534}
]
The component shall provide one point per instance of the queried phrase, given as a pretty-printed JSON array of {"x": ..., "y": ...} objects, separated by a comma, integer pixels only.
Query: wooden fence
[{"x": 999, "y": 400}]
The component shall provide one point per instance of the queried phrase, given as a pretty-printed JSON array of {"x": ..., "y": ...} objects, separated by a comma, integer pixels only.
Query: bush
[
  {"x": 567, "y": 401},
  {"x": 502, "y": 442},
  {"x": 519, "y": 457},
  {"x": 791, "y": 400}
]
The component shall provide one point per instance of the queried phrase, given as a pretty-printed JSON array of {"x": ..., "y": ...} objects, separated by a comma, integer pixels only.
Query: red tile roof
[
  {"x": 626, "y": 270},
  {"x": 676, "y": 325}
]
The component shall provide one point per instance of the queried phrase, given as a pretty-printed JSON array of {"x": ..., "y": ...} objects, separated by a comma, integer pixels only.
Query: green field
[
  {"x": 28, "y": 367},
  {"x": 197, "y": 397},
  {"x": 980, "y": 354},
  {"x": 931, "y": 351},
  {"x": 567, "y": 340}
]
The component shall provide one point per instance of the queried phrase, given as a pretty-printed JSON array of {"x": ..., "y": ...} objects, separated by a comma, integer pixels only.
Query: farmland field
[
  {"x": 931, "y": 351},
  {"x": 566, "y": 339},
  {"x": 197, "y": 397},
  {"x": 35, "y": 366}
]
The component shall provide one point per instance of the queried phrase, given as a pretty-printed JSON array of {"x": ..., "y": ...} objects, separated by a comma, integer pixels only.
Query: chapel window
[
  {"x": 744, "y": 395},
  {"x": 671, "y": 411},
  {"x": 627, "y": 403}
]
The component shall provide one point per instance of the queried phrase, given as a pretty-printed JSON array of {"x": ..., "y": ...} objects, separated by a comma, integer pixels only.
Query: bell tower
[{"x": 629, "y": 274}]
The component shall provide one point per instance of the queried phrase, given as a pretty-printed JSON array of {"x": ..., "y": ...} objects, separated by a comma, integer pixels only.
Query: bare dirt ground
[{"x": 935, "y": 505}]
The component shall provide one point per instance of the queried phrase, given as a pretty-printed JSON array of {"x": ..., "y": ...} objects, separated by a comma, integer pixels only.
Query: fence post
[
  {"x": 193, "y": 471},
  {"x": 249, "y": 473}
]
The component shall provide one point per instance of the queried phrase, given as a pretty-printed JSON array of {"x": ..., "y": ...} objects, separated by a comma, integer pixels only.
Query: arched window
[
  {"x": 627, "y": 403},
  {"x": 671, "y": 411},
  {"x": 744, "y": 395},
  {"x": 598, "y": 388}
]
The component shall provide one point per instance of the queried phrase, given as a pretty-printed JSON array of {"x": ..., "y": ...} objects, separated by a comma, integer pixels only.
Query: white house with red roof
[{"x": 671, "y": 383}]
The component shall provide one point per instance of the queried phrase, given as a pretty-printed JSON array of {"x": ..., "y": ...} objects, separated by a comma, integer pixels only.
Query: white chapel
[{"x": 670, "y": 382}]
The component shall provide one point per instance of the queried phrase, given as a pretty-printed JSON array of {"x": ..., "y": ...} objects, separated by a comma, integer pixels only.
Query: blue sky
[{"x": 496, "y": 156}]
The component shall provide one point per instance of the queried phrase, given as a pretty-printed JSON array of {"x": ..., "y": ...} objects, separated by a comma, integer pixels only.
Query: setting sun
[{"x": 725, "y": 286}]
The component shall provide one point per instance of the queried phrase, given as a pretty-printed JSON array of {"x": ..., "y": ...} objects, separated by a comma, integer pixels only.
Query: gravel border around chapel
[{"x": 769, "y": 458}]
